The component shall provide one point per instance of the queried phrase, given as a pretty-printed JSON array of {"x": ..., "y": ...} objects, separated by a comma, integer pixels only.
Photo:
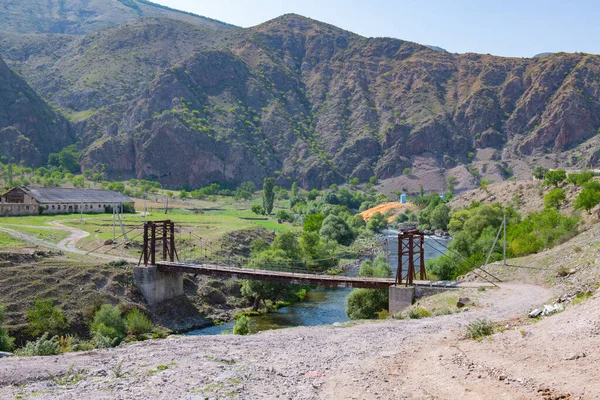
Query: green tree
[
  {"x": 268, "y": 195},
  {"x": 313, "y": 222},
  {"x": 288, "y": 243},
  {"x": 365, "y": 303},
  {"x": 354, "y": 182},
  {"x": 377, "y": 223},
  {"x": 421, "y": 191},
  {"x": 407, "y": 171},
  {"x": 248, "y": 187},
  {"x": 554, "y": 198},
  {"x": 589, "y": 197},
  {"x": 539, "y": 172},
  {"x": 555, "y": 178},
  {"x": 440, "y": 217},
  {"x": 313, "y": 248},
  {"x": 294, "y": 190},
  {"x": 373, "y": 180},
  {"x": 44, "y": 316},
  {"x": 78, "y": 181},
  {"x": 335, "y": 228},
  {"x": 259, "y": 291},
  {"x": 313, "y": 194},
  {"x": 241, "y": 194}
]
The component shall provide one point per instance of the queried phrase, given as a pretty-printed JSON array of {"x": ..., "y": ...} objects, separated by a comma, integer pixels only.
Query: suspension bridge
[{"x": 160, "y": 271}]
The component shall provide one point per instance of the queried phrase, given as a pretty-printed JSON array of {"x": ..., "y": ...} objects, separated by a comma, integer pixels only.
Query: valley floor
[{"x": 405, "y": 359}]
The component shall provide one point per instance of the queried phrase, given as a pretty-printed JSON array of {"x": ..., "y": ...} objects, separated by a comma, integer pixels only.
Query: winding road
[{"x": 68, "y": 244}]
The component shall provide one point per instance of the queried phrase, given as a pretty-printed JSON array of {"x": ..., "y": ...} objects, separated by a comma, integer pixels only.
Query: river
[{"x": 322, "y": 306}]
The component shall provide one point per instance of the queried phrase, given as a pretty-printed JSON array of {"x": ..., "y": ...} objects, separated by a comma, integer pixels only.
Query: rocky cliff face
[
  {"x": 29, "y": 128},
  {"x": 309, "y": 102}
]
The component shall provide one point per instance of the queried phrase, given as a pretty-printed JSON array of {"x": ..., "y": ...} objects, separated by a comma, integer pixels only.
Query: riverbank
[{"x": 356, "y": 360}]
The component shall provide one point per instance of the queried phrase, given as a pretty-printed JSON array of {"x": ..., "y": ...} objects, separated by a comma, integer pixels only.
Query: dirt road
[
  {"x": 376, "y": 360},
  {"x": 68, "y": 244}
]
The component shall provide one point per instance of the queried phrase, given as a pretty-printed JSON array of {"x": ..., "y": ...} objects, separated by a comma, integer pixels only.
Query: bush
[
  {"x": 241, "y": 326},
  {"x": 41, "y": 347},
  {"x": 479, "y": 328},
  {"x": 418, "y": 313},
  {"x": 109, "y": 323},
  {"x": 137, "y": 323},
  {"x": 366, "y": 303},
  {"x": 284, "y": 216},
  {"x": 6, "y": 342},
  {"x": 44, "y": 317},
  {"x": 257, "y": 209}
]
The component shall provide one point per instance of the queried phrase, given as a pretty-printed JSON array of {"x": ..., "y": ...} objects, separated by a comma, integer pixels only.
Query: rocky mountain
[
  {"x": 308, "y": 102},
  {"x": 29, "y": 128},
  {"x": 81, "y": 17}
]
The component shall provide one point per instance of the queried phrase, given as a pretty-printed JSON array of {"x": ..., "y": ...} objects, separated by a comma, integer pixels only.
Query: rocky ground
[{"x": 426, "y": 358}]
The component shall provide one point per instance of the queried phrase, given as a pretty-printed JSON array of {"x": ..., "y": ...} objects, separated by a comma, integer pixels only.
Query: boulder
[
  {"x": 108, "y": 242},
  {"x": 5, "y": 354},
  {"x": 464, "y": 301}
]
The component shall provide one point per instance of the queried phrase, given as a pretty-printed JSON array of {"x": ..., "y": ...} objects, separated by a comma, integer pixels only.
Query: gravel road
[{"x": 371, "y": 360}]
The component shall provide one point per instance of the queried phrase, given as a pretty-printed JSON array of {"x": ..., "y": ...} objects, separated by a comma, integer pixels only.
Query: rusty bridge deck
[{"x": 304, "y": 278}]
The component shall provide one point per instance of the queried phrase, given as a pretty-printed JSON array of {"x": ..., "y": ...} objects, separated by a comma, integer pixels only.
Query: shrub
[
  {"x": 257, "y": 209},
  {"x": 6, "y": 342},
  {"x": 44, "y": 317},
  {"x": 479, "y": 328},
  {"x": 407, "y": 171},
  {"x": 137, "y": 323},
  {"x": 109, "y": 323},
  {"x": 418, "y": 313},
  {"x": 366, "y": 303},
  {"x": 284, "y": 216},
  {"x": 241, "y": 326},
  {"x": 41, "y": 347}
]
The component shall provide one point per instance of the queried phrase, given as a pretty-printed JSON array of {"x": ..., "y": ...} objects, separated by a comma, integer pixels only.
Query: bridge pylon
[
  {"x": 159, "y": 236},
  {"x": 410, "y": 253}
]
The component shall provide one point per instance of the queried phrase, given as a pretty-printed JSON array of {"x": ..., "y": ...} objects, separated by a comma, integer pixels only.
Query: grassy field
[{"x": 208, "y": 220}]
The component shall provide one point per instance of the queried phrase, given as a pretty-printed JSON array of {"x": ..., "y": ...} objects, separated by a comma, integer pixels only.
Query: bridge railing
[{"x": 295, "y": 266}]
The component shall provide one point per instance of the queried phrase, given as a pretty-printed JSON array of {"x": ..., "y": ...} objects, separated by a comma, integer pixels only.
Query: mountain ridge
[{"x": 309, "y": 102}]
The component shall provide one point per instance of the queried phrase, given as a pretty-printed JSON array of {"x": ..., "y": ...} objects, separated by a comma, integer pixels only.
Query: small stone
[
  {"x": 535, "y": 313},
  {"x": 502, "y": 378},
  {"x": 5, "y": 354},
  {"x": 463, "y": 301}
]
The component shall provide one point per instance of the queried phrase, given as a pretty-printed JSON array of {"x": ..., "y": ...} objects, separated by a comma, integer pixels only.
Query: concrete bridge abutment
[
  {"x": 400, "y": 298},
  {"x": 157, "y": 286}
]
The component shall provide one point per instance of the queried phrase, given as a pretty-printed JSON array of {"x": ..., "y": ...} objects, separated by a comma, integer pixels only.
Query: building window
[
  {"x": 76, "y": 207},
  {"x": 58, "y": 207},
  {"x": 53, "y": 207}
]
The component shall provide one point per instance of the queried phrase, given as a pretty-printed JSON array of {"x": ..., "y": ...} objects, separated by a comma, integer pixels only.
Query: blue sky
[{"x": 501, "y": 27}]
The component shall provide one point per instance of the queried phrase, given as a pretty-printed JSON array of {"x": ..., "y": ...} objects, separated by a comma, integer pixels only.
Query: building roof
[{"x": 69, "y": 195}]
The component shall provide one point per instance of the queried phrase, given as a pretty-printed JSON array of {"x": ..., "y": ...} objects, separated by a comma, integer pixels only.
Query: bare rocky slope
[
  {"x": 29, "y": 127},
  {"x": 308, "y": 102}
]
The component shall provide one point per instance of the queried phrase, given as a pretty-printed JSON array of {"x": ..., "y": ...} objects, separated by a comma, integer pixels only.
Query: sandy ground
[{"x": 406, "y": 359}]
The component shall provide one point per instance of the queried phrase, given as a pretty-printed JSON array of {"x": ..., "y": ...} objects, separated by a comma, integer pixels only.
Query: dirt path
[
  {"x": 376, "y": 360},
  {"x": 68, "y": 244}
]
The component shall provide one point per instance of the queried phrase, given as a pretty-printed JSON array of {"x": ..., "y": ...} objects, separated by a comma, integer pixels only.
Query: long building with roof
[{"x": 33, "y": 201}]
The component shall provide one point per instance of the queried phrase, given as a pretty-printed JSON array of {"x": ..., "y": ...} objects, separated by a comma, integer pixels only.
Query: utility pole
[
  {"x": 504, "y": 224},
  {"x": 114, "y": 223}
]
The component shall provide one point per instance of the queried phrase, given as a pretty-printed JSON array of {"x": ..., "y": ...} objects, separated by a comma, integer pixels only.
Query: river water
[{"x": 322, "y": 306}]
